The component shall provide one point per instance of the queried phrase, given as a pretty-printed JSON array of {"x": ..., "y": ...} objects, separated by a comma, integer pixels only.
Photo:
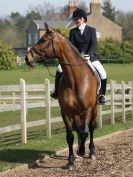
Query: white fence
[{"x": 24, "y": 96}]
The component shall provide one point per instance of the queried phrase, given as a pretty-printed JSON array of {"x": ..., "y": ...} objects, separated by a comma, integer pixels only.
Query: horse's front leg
[
  {"x": 92, "y": 153},
  {"x": 70, "y": 140},
  {"x": 82, "y": 136}
]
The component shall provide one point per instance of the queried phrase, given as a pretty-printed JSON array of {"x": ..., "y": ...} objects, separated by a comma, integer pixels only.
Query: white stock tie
[{"x": 81, "y": 28}]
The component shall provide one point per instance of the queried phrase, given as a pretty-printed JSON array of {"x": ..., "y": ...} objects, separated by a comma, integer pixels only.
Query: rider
[{"x": 83, "y": 37}]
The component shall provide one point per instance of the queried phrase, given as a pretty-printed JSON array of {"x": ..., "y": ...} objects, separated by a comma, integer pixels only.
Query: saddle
[{"x": 86, "y": 58}]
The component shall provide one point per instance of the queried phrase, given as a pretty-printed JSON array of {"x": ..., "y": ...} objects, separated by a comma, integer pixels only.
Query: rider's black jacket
[{"x": 85, "y": 43}]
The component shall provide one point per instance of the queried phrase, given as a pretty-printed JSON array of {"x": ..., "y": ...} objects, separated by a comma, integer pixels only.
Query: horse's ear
[{"x": 46, "y": 26}]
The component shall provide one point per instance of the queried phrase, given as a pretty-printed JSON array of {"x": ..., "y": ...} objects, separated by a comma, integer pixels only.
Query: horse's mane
[{"x": 71, "y": 45}]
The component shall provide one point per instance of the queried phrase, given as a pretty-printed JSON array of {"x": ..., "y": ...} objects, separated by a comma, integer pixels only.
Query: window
[
  {"x": 98, "y": 34},
  {"x": 29, "y": 38},
  {"x": 36, "y": 37}
]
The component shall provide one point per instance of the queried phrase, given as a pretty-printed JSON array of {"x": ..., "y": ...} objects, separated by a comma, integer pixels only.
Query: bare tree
[
  {"x": 125, "y": 20},
  {"x": 11, "y": 37},
  {"x": 46, "y": 10}
]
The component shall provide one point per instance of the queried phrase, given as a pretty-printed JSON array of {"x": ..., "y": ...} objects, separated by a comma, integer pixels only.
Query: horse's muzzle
[{"x": 29, "y": 63}]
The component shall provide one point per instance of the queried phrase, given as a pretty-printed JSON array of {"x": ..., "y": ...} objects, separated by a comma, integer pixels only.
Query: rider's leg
[
  {"x": 58, "y": 76},
  {"x": 103, "y": 77}
]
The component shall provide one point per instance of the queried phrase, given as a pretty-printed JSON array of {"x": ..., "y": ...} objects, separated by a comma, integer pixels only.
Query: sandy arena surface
[{"x": 114, "y": 159}]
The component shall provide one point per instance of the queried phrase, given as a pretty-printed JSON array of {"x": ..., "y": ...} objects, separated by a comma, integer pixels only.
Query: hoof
[
  {"x": 92, "y": 156},
  {"x": 78, "y": 156},
  {"x": 70, "y": 167}
]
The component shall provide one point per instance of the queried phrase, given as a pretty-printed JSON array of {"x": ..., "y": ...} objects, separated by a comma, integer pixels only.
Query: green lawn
[
  {"x": 119, "y": 72},
  {"x": 38, "y": 74},
  {"x": 12, "y": 152}
]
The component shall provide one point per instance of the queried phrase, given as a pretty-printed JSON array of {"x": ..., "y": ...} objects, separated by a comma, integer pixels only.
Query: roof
[
  {"x": 53, "y": 24},
  {"x": 71, "y": 23}
]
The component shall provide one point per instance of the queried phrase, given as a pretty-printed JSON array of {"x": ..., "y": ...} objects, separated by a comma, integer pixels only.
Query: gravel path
[{"x": 114, "y": 159}]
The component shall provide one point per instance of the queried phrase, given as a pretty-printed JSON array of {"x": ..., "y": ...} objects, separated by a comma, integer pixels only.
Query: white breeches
[{"x": 98, "y": 66}]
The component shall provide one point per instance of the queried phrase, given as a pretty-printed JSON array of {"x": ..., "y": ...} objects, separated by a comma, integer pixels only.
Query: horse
[{"x": 77, "y": 92}]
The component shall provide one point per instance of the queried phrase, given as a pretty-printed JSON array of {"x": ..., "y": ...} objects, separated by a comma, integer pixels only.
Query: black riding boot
[
  {"x": 58, "y": 76},
  {"x": 102, "y": 91}
]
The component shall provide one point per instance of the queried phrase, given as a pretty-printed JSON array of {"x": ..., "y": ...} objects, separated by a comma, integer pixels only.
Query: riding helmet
[{"x": 79, "y": 13}]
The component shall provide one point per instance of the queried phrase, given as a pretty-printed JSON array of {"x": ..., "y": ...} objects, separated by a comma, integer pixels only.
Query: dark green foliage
[
  {"x": 111, "y": 51},
  {"x": 33, "y": 15},
  {"x": 63, "y": 31},
  {"x": 108, "y": 10},
  {"x": 7, "y": 57}
]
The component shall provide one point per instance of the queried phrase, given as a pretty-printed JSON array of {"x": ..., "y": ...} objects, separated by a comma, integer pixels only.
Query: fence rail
[{"x": 24, "y": 96}]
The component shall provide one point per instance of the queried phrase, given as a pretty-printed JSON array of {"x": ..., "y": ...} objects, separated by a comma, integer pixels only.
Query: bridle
[{"x": 42, "y": 52}]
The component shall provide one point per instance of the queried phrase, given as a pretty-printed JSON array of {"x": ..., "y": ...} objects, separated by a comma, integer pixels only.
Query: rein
[
  {"x": 71, "y": 64},
  {"x": 41, "y": 53}
]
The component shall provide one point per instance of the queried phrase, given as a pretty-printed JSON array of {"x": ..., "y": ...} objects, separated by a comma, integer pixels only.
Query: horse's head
[{"x": 44, "y": 48}]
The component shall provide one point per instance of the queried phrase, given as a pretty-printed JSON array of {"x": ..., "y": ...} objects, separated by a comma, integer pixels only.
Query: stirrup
[
  {"x": 54, "y": 94},
  {"x": 101, "y": 100}
]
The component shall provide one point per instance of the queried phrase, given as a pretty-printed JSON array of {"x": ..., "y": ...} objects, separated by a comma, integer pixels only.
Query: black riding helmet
[{"x": 79, "y": 13}]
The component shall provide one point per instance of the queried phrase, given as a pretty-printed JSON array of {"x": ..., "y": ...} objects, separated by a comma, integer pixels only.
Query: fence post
[
  {"x": 112, "y": 102},
  {"x": 100, "y": 121},
  {"x": 48, "y": 110},
  {"x": 14, "y": 102},
  {"x": 132, "y": 100},
  {"x": 123, "y": 102},
  {"x": 23, "y": 111}
]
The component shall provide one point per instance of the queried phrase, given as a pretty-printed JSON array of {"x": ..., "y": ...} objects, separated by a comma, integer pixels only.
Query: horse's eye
[{"x": 40, "y": 41}]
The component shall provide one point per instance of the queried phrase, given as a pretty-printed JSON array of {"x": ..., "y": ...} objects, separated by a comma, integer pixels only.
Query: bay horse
[{"x": 77, "y": 89}]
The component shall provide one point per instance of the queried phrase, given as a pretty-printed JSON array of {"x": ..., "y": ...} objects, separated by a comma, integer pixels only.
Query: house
[
  {"x": 36, "y": 30},
  {"x": 105, "y": 28}
]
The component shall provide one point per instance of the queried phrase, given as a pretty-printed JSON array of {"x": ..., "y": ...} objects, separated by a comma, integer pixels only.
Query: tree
[
  {"x": 21, "y": 27},
  {"x": 15, "y": 17},
  {"x": 46, "y": 10},
  {"x": 7, "y": 57},
  {"x": 108, "y": 10},
  {"x": 125, "y": 20},
  {"x": 11, "y": 36},
  {"x": 33, "y": 15}
]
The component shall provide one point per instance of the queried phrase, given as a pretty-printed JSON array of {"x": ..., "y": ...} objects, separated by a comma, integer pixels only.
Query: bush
[
  {"x": 63, "y": 31},
  {"x": 111, "y": 51},
  {"x": 7, "y": 57}
]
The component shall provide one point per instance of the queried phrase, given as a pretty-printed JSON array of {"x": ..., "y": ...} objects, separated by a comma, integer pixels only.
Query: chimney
[
  {"x": 95, "y": 7},
  {"x": 71, "y": 7}
]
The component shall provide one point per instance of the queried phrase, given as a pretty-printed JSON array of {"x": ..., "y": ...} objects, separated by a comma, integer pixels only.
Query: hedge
[
  {"x": 7, "y": 57},
  {"x": 109, "y": 50}
]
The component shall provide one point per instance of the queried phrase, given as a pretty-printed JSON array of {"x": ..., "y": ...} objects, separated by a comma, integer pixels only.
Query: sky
[{"x": 22, "y": 6}]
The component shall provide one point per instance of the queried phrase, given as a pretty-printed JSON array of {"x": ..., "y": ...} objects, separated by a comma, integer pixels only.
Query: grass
[
  {"x": 38, "y": 74},
  {"x": 12, "y": 152},
  {"x": 119, "y": 72},
  {"x": 34, "y": 75}
]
